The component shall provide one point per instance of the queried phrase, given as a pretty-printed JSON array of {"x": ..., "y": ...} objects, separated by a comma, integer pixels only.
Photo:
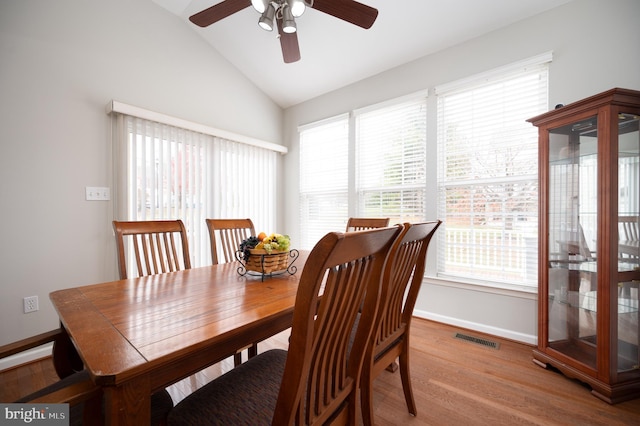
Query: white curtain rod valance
[{"x": 122, "y": 108}]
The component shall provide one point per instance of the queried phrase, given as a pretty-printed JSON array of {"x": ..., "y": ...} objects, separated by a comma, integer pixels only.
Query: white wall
[
  {"x": 60, "y": 63},
  {"x": 595, "y": 48}
]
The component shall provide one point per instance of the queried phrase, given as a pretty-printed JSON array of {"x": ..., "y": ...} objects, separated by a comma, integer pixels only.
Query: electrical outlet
[{"x": 30, "y": 304}]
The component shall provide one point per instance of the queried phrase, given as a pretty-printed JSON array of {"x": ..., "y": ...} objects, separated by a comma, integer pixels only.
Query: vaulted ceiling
[{"x": 335, "y": 53}]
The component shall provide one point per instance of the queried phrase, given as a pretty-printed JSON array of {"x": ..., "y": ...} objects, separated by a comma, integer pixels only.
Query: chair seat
[
  {"x": 161, "y": 406},
  {"x": 246, "y": 395}
]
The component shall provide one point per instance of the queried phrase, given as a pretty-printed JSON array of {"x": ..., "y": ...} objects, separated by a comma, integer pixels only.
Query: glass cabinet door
[
  {"x": 589, "y": 241},
  {"x": 628, "y": 241},
  {"x": 572, "y": 218}
]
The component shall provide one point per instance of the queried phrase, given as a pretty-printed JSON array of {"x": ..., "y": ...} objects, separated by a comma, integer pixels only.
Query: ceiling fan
[{"x": 284, "y": 13}]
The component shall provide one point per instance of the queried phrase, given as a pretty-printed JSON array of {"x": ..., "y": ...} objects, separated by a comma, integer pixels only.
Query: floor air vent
[{"x": 478, "y": 341}]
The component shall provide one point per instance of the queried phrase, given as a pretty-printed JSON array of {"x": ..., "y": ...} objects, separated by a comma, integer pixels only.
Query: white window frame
[{"x": 527, "y": 272}]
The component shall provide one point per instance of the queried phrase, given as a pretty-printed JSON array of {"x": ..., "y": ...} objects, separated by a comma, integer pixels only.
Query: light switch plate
[{"x": 97, "y": 193}]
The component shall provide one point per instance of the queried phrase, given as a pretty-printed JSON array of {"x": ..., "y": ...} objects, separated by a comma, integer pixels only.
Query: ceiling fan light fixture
[
  {"x": 282, "y": 13},
  {"x": 297, "y": 7},
  {"x": 288, "y": 23},
  {"x": 266, "y": 20},
  {"x": 260, "y": 5}
]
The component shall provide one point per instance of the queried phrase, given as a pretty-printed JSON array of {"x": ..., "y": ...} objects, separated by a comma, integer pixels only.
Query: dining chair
[
  {"x": 629, "y": 233},
  {"x": 75, "y": 387},
  {"x": 628, "y": 247},
  {"x": 159, "y": 246},
  {"x": 225, "y": 236},
  {"x": 400, "y": 286},
  {"x": 316, "y": 380},
  {"x": 360, "y": 223}
]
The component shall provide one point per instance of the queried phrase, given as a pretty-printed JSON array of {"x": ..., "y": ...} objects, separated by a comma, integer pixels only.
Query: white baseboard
[
  {"x": 26, "y": 356},
  {"x": 482, "y": 328}
]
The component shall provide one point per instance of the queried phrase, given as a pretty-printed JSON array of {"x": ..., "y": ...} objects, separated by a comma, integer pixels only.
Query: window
[
  {"x": 487, "y": 174},
  {"x": 388, "y": 167},
  {"x": 391, "y": 162},
  {"x": 323, "y": 179},
  {"x": 169, "y": 172}
]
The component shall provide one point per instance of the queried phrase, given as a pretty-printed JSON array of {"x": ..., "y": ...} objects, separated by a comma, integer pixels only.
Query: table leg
[
  {"x": 66, "y": 360},
  {"x": 128, "y": 403}
]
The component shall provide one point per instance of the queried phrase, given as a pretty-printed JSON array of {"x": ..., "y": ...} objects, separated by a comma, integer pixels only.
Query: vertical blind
[
  {"x": 167, "y": 172},
  {"x": 487, "y": 174},
  {"x": 324, "y": 175},
  {"x": 391, "y": 161}
]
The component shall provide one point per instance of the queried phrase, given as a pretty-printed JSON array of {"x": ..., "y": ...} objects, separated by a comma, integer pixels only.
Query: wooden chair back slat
[
  {"x": 136, "y": 248},
  {"x": 226, "y": 235},
  {"x": 362, "y": 223},
  {"x": 322, "y": 374},
  {"x": 159, "y": 246},
  {"x": 629, "y": 228},
  {"x": 155, "y": 251},
  {"x": 169, "y": 241}
]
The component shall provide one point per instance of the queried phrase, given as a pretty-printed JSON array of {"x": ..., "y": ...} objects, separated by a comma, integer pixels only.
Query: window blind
[
  {"x": 487, "y": 174},
  {"x": 323, "y": 179},
  {"x": 168, "y": 172},
  {"x": 391, "y": 161}
]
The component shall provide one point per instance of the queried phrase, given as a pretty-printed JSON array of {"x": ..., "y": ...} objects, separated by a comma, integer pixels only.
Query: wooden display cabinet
[{"x": 589, "y": 250}]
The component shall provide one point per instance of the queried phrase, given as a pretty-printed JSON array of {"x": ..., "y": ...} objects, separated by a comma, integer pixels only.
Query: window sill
[{"x": 513, "y": 290}]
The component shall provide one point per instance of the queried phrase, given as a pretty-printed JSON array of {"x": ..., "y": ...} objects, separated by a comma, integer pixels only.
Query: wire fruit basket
[{"x": 263, "y": 264}]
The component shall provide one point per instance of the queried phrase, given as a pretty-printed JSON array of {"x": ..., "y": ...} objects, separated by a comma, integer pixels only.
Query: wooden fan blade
[
  {"x": 218, "y": 11},
  {"x": 348, "y": 10},
  {"x": 289, "y": 45}
]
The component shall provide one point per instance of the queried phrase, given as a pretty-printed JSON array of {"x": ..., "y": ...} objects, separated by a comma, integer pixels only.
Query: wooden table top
[{"x": 127, "y": 328}]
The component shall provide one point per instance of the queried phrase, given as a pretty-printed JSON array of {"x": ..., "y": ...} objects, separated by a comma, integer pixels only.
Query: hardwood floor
[{"x": 455, "y": 382}]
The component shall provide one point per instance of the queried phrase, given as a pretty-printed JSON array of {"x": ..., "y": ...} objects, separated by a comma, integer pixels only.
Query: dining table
[
  {"x": 630, "y": 249},
  {"x": 137, "y": 336}
]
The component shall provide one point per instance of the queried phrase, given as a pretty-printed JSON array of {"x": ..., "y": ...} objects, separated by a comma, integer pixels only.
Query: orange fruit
[{"x": 262, "y": 236}]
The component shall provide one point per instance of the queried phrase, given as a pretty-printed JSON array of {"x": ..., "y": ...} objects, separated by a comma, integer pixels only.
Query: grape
[{"x": 273, "y": 242}]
